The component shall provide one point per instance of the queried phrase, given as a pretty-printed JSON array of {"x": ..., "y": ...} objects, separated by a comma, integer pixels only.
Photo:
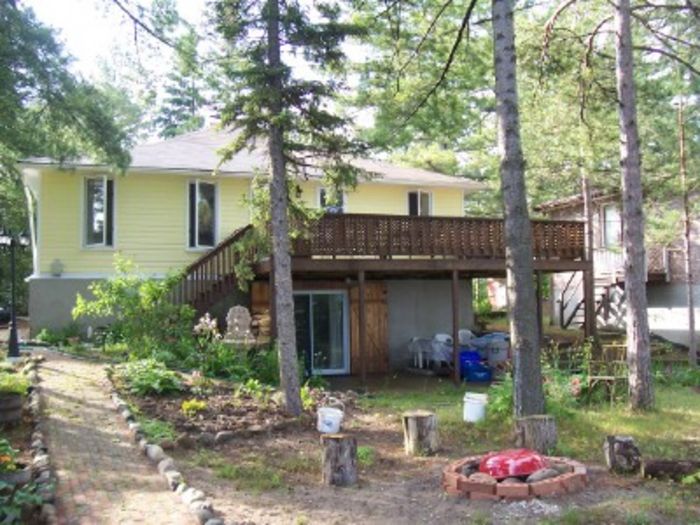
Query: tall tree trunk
[
  {"x": 528, "y": 396},
  {"x": 588, "y": 275},
  {"x": 638, "y": 353},
  {"x": 282, "y": 264},
  {"x": 687, "y": 244}
]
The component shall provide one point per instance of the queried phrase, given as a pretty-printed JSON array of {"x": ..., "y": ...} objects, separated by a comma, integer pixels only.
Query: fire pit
[{"x": 513, "y": 475}]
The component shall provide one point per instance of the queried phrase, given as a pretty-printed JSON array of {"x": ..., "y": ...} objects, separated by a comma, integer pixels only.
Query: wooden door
[{"x": 377, "y": 352}]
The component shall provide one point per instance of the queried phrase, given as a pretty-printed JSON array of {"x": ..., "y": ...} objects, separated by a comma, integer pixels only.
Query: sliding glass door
[{"x": 322, "y": 331}]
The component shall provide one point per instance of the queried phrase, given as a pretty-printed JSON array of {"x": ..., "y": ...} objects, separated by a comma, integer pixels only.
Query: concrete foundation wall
[
  {"x": 668, "y": 311},
  {"x": 52, "y": 299},
  {"x": 422, "y": 308}
]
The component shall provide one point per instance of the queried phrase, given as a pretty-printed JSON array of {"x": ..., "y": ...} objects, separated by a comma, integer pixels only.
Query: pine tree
[{"x": 291, "y": 115}]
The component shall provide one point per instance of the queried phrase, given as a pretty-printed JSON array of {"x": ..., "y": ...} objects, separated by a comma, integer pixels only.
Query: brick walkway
[{"x": 102, "y": 478}]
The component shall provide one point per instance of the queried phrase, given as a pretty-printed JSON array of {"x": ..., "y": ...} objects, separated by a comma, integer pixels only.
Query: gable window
[
  {"x": 326, "y": 204},
  {"x": 99, "y": 211},
  {"x": 612, "y": 227},
  {"x": 419, "y": 203},
  {"x": 202, "y": 214}
]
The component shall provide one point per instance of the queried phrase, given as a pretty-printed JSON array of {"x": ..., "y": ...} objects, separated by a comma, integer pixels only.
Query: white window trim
[
  {"x": 604, "y": 227},
  {"x": 343, "y": 199},
  {"x": 430, "y": 202},
  {"x": 83, "y": 209},
  {"x": 217, "y": 216}
]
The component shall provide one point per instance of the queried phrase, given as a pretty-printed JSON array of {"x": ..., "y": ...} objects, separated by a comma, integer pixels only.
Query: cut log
[
  {"x": 420, "y": 433},
  {"x": 622, "y": 455},
  {"x": 339, "y": 460},
  {"x": 536, "y": 433},
  {"x": 675, "y": 469}
]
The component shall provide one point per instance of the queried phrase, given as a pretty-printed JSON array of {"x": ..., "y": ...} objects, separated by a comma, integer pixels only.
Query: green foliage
[
  {"x": 677, "y": 376},
  {"x": 60, "y": 336},
  {"x": 13, "y": 384},
  {"x": 366, "y": 456},
  {"x": 144, "y": 317},
  {"x": 482, "y": 305},
  {"x": 192, "y": 407},
  {"x": 15, "y": 499},
  {"x": 147, "y": 377},
  {"x": 691, "y": 479},
  {"x": 500, "y": 399},
  {"x": 156, "y": 430},
  {"x": 253, "y": 388},
  {"x": 247, "y": 474},
  {"x": 8, "y": 455},
  {"x": 307, "y": 400}
]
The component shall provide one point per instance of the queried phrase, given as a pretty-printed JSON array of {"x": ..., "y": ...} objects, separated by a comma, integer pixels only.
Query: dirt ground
[{"x": 393, "y": 488}]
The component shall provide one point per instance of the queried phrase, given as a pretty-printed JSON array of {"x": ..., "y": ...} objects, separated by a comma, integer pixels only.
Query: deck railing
[{"x": 387, "y": 236}]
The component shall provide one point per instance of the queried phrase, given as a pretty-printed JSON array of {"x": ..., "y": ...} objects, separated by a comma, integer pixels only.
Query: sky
[{"x": 90, "y": 29}]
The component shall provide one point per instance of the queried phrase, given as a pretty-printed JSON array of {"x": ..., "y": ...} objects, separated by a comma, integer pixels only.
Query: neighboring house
[
  {"x": 666, "y": 276},
  {"x": 399, "y": 254}
]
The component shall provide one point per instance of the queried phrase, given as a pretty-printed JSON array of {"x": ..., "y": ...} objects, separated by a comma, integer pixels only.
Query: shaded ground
[{"x": 102, "y": 478}]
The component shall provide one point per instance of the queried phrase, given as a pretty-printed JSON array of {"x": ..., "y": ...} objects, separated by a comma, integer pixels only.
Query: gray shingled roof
[{"x": 200, "y": 151}]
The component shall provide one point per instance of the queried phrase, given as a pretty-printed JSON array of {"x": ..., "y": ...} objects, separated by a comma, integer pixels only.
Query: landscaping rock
[
  {"x": 562, "y": 468},
  {"x": 142, "y": 443},
  {"x": 48, "y": 513},
  {"x": 127, "y": 415},
  {"x": 182, "y": 487},
  {"x": 185, "y": 441},
  {"x": 223, "y": 437},
  {"x": 191, "y": 495},
  {"x": 480, "y": 477},
  {"x": 203, "y": 515},
  {"x": 166, "y": 464},
  {"x": 542, "y": 474},
  {"x": 512, "y": 480},
  {"x": 470, "y": 468},
  {"x": 206, "y": 439},
  {"x": 174, "y": 479},
  {"x": 41, "y": 462},
  {"x": 155, "y": 453},
  {"x": 214, "y": 521}
]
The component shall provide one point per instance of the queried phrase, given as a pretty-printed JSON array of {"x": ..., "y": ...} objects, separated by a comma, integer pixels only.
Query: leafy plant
[
  {"x": 200, "y": 384},
  {"x": 156, "y": 430},
  {"x": 59, "y": 337},
  {"x": 8, "y": 455},
  {"x": 14, "y": 499},
  {"x": 191, "y": 407},
  {"x": 366, "y": 456},
  {"x": 691, "y": 479},
  {"x": 144, "y": 317},
  {"x": 255, "y": 389},
  {"x": 146, "y": 377},
  {"x": 13, "y": 384},
  {"x": 307, "y": 400}
]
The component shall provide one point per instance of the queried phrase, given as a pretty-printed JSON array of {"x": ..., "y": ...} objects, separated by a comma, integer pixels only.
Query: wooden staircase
[
  {"x": 212, "y": 277},
  {"x": 610, "y": 304}
]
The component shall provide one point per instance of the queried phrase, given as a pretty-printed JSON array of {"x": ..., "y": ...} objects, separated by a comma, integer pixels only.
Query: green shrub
[
  {"x": 15, "y": 499},
  {"x": 255, "y": 389},
  {"x": 61, "y": 336},
  {"x": 13, "y": 384},
  {"x": 144, "y": 317},
  {"x": 677, "y": 376},
  {"x": 366, "y": 456},
  {"x": 147, "y": 376},
  {"x": 8, "y": 455},
  {"x": 156, "y": 430},
  {"x": 192, "y": 407}
]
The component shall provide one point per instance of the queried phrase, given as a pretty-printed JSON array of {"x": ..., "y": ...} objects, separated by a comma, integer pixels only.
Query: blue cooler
[
  {"x": 468, "y": 359},
  {"x": 477, "y": 373}
]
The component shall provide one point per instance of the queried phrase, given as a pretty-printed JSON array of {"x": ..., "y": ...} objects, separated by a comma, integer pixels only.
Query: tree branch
[
  {"x": 139, "y": 23},
  {"x": 670, "y": 55}
]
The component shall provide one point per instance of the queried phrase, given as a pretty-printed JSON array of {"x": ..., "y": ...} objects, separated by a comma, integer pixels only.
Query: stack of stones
[
  {"x": 194, "y": 499},
  {"x": 462, "y": 478}
]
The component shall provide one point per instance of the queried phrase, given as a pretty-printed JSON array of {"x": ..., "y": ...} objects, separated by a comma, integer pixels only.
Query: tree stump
[
  {"x": 622, "y": 455},
  {"x": 537, "y": 432},
  {"x": 339, "y": 460},
  {"x": 420, "y": 433},
  {"x": 669, "y": 468}
]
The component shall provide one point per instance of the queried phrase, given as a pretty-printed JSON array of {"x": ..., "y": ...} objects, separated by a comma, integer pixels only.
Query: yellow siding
[{"x": 151, "y": 220}]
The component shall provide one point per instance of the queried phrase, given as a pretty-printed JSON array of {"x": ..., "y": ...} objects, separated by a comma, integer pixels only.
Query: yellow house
[{"x": 403, "y": 229}]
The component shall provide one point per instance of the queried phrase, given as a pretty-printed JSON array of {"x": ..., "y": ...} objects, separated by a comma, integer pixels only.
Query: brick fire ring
[{"x": 455, "y": 483}]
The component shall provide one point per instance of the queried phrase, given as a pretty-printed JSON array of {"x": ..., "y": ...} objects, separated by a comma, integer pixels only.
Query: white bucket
[
  {"x": 474, "y": 407},
  {"x": 330, "y": 418}
]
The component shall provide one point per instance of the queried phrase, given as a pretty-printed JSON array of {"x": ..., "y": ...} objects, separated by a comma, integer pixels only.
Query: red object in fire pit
[{"x": 514, "y": 462}]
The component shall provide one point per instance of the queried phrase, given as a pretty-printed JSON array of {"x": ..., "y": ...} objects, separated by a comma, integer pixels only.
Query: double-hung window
[
  {"x": 202, "y": 214},
  {"x": 419, "y": 203},
  {"x": 612, "y": 226},
  {"x": 99, "y": 211},
  {"x": 325, "y": 202}
]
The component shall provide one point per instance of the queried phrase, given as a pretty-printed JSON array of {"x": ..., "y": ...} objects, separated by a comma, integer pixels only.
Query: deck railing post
[
  {"x": 362, "y": 328},
  {"x": 455, "y": 326}
]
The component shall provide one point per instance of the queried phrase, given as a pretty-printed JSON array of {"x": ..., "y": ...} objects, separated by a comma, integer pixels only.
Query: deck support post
[
  {"x": 540, "y": 320},
  {"x": 455, "y": 327},
  {"x": 589, "y": 320},
  {"x": 271, "y": 301},
  {"x": 363, "y": 326}
]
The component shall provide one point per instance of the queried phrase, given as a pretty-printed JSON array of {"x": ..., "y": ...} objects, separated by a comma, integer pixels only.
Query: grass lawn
[{"x": 671, "y": 430}]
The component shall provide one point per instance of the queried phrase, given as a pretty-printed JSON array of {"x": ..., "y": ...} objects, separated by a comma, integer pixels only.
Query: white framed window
[
  {"x": 612, "y": 226},
  {"x": 202, "y": 214},
  {"x": 420, "y": 203},
  {"x": 98, "y": 222},
  {"x": 331, "y": 207}
]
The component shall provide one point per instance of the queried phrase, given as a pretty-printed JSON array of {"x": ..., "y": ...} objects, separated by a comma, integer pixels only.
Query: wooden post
[
  {"x": 455, "y": 327},
  {"x": 420, "y": 434},
  {"x": 538, "y": 293},
  {"x": 363, "y": 326},
  {"x": 271, "y": 301},
  {"x": 537, "y": 432},
  {"x": 339, "y": 466},
  {"x": 589, "y": 317}
]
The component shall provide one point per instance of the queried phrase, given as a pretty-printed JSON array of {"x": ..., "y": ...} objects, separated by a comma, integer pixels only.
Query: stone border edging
[
  {"x": 194, "y": 499},
  {"x": 41, "y": 461},
  {"x": 457, "y": 484}
]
